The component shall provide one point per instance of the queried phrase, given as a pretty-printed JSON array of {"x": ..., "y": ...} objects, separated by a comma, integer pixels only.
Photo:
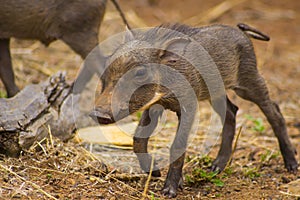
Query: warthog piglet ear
[{"x": 175, "y": 45}]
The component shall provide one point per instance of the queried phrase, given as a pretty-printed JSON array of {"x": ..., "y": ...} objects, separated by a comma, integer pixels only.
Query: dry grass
[{"x": 55, "y": 170}]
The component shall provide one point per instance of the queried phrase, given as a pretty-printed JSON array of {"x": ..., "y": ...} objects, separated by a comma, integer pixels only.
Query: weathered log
[{"x": 26, "y": 117}]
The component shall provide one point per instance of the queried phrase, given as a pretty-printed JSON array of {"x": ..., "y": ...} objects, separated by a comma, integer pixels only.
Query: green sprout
[
  {"x": 258, "y": 124},
  {"x": 201, "y": 176},
  {"x": 251, "y": 173}
]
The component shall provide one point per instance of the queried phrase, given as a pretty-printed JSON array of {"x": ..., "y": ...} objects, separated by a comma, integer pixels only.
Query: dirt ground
[{"x": 57, "y": 170}]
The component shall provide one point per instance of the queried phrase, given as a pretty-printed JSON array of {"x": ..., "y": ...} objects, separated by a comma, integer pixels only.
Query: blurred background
[{"x": 278, "y": 59}]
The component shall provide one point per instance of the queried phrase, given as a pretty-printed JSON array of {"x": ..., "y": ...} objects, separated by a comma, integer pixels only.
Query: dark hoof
[
  {"x": 290, "y": 161},
  {"x": 12, "y": 92},
  {"x": 170, "y": 189},
  {"x": 215, "y": 168},
  {"x": 292, "y": 167},
  {"x": 218, "y": 166}
]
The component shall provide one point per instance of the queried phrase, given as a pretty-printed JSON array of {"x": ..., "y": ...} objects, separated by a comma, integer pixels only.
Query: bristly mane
[
  {"x": 182, "y": 28},
  {"x": 168, "y": 30}
]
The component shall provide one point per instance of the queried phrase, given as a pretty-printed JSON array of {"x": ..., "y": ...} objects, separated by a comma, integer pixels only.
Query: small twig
[
  {"x": 40, "y": 145},
  {"x": 190, "y": 162},
  {"x": 128, "y": 186},
  {"x": 234, "y": 147},
  {"x": 148, "y": 179},
  {"x": 92, "y": 156},
  {"x": 121, "y": 13},
  {"x": 28, "y": 182},
  {"x": 50, "y": 137},
  {"x": 150, "y": 172},
  {"x": 292, "y": 195},
  {"x": 126, "y": 177},
  {"x": 108, "y": 175},
  {"x": 45, "y": 169}
]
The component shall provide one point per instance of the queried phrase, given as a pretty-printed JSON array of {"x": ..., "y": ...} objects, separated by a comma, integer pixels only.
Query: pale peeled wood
[{"x": 109, "y": 134}]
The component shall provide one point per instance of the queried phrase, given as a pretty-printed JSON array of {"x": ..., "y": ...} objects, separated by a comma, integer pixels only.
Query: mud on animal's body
[{"x": 232, "y": 52}]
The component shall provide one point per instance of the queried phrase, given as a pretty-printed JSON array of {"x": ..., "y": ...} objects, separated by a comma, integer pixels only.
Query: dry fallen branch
[{"x": 26, "y": 118}]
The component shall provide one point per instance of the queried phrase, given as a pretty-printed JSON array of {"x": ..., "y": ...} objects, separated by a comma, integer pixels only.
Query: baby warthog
[
  {"x": 173, "y": 67},
  {"x": 76, "y": 22}
]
